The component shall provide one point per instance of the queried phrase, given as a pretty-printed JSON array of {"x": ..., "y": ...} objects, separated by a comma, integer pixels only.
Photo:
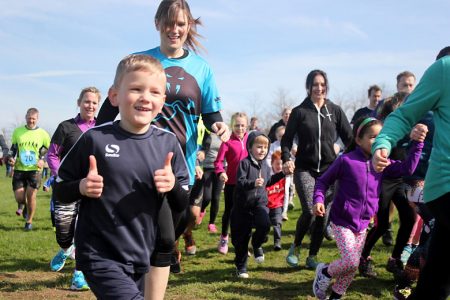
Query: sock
[
  {"x": 325, "y": 272},
  {"x": 335, "y": 295}
]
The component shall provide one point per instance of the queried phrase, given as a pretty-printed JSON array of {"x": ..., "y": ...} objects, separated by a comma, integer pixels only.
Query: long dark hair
[
  {"x": 310, "y": 80},
  {"x": 359, "y": 129}
]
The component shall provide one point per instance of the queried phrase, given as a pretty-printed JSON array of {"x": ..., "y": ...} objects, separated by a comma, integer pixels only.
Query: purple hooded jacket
[{"x": 358, "y": 186}]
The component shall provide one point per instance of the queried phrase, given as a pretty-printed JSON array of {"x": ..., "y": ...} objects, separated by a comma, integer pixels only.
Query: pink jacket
[{"x": 233, "y": 152}]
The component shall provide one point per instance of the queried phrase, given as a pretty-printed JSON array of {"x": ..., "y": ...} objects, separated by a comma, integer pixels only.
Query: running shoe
[
  {"x": 78, "y": 282},
  {"x": 293, "y": 256},
  {"x": 223, "y": 244},
  {"x": 175, "y": 262},
  {"x": 189, "y": 244},
  {"x": 329, "y": 233},
  {"x": 19, "y": 212},
  {"x": 58, "y": 262},
  {"x": 259, "y": 255},
  {"x": 28, "y": 227},
  {"x": 277, "y": 245},
  {"x": 321, "y": 282},
  {"x": 401, "y": 293},
  {"x": 212, "y": 228},
  {"x": 311, "y": 262},
  {"x": 366, "y": 268},
  {"x": 242, "y": 274},
  {"x": 406, "y": 253}
]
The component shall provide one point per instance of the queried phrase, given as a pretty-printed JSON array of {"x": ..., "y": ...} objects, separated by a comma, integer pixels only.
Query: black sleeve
[
  {"x": 343, "y": 127},
  {"x": 275, "y": 178},
  {"x": 210, "y": 119},
  {"x": 67, "y": 191},
  {"x": 178, "y": 198},
  {"x": 206, "y": 142},
  {"x": 107, "y": 113}
]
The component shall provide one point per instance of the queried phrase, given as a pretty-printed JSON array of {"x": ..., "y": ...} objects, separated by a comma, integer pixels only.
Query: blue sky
[{"x": 50, "y": 50}]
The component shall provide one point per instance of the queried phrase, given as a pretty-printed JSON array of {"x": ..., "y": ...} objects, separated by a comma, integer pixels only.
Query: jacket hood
[{"x": 251, "y": 138}]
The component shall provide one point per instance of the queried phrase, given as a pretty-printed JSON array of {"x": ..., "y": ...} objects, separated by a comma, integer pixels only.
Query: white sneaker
[
  {"x": 242, "y": 274},
  {"x": 259, "y": 255},
  {"x": 321, "y": 282}
]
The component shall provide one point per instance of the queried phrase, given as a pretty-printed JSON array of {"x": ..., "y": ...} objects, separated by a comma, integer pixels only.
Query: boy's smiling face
[
  {"x": 259, "y": 150},
  {"x": 140, "y": 97}
]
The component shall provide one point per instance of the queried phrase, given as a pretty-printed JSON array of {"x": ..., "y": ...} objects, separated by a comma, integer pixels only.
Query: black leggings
[
  {"x": 212, "y": 188},
  {"x": 392, "y": 189},
  {"x": 434, "y": 279},
  {"x": 228, "y": 196},
  {"x": 304, "y": 184}
]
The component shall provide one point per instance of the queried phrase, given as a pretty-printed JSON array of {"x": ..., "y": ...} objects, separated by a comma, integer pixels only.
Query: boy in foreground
[{"x": 122, "y": 171}]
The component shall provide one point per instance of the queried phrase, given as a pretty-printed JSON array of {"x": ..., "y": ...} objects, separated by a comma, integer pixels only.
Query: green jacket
[{"x": 432, "y": 93}]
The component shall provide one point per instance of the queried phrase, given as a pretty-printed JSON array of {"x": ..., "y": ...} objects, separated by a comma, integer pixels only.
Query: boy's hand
[
  {"x": 259, "y": 182},
  {"x": 319, "y": 209},
  {"x": 222, "y": 131},
  {"x": 419, "y": 133},
  {"x": 164, "y": 178},
  {"x": 11, "y": 161},
  {"x": 92, "y": 185},
  {"x": 380, "y": 160},
  {"x": 223, "y": 177}
]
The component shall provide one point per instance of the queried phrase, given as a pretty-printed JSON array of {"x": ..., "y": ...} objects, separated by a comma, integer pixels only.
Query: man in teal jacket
[{"x": 432, "y": 93}]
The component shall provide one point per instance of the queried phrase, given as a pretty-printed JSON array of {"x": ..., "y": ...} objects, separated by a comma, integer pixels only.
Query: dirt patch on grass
[{"x": 38, "y": 285}]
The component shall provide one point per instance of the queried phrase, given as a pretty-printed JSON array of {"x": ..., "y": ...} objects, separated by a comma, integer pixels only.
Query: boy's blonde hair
[
  {"x": 137, "y": 62},
  {"x": 89, "y": 89},
  {"x": 261, "y": 139}
]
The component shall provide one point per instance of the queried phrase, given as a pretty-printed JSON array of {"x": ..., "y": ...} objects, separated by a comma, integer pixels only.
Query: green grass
[{"x": 207, "y": 275}]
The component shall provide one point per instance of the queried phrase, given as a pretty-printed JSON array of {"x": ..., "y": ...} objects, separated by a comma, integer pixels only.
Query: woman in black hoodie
[{"x": 318, "y": 123}]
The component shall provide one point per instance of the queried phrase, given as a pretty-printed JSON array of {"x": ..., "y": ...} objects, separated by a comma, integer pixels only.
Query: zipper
[
  {"x": 320, "y": 136},
  {"x": 367, "y": 187}
]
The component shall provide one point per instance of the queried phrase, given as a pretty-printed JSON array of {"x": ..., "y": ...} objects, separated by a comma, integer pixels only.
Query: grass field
[{"x": 25, "y": 256}]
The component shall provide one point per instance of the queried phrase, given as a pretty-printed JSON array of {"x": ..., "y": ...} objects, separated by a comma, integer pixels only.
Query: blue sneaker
[
  {"x": 311, "y": 262},
  {"x": 321, "y": 282},
  {"x": 78, "y": 282},
  {"x": 293, "y": 255},
  {"x": 58, "y": 262}
]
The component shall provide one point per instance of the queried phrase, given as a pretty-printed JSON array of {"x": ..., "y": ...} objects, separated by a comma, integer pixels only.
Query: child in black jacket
[{"x": 250, "y": 202}]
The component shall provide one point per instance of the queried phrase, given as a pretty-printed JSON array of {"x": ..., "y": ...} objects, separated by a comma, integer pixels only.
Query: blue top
[
  {"x": 191, "y": 91},
  {"x": 358, "y": 186}
]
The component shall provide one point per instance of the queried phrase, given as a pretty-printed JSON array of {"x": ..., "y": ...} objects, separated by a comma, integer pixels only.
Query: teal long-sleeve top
[{"x": 432, "y": 93}]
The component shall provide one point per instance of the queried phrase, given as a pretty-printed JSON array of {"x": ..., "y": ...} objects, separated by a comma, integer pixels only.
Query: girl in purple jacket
[
  {"x": 356, "y": 201},
  {"x": 233, "y": 151}
]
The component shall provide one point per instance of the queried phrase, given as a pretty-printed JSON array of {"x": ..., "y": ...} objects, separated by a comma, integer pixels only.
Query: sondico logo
[{"x": 112, "y": 150}]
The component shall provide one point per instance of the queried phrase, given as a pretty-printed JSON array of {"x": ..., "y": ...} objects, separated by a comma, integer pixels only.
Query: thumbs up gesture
[
  {"x": 164, "y": 178},
  {"x": 92, "y": 185}
]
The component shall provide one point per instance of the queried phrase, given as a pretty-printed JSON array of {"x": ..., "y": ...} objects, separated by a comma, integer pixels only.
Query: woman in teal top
[{"x": 432, "y": 93}]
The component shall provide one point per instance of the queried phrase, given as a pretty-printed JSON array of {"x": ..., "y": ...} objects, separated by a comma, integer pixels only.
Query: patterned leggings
[{"x": 350, "y": 245}]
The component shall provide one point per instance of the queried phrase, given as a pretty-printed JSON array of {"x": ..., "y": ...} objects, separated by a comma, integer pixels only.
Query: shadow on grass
[
  {"x": 32, "y": 264},
  {"x": 34, "y": 284}
]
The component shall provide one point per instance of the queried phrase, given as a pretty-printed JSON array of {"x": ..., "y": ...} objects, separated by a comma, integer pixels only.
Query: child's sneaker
[
  {"x": 19, "y": 212},
  {"x": 212, "y": 228},
  {"x": 409, "y": 248},
  {"x": 175, "y": 261},
  {"x": 328, "y": 234},
  {"x": 401, "y": 293},
  {"x": 200, "y": 218},
  {"x": 78, "y": 282},
  {"x": 259, "y": 255},
  {"x": 189, "y": 244},
  {"x": 242, "y": 274},
  {"x": 321, "y": 282},
  {"x": 58, "y": 262},
  {"x": 28, "y": 226},
  {"x": 293, "y": 256},
  {"x": 311, "y": 262},
  {"x": 394, "y": 265},
  {"x": 291, "y": 205},
  {"x": 277, "y": 245},
  {"x": 366, "y": 267},
  {"x": 223, "y": 244}
]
